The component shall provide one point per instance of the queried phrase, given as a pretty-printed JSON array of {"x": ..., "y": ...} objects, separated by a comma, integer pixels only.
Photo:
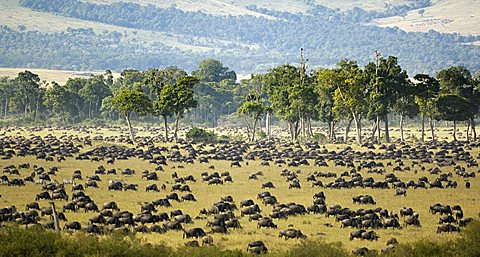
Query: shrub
[{"x": 200, "y": 135}]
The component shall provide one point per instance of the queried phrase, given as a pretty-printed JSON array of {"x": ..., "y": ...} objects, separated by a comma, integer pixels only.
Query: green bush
[
  {"x": 200, "y": 135},
  {"x": 261, "y": 135}
]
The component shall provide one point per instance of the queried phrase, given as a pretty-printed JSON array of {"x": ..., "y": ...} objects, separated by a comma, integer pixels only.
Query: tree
[
  {"x": 7, "y": 90},
  {"x": 405, "y": 106},
  {"x": 327, "y": 82},
  {"x": 28, "y": 85},
  {"x": 59, "y": 100},
  {"x": 459, "y": 81},
  {"x": 179, "y": 98},
  {"x": 211, "y": 70},
  {"x": 156, "y": 80},
  {"x": 454, "y": 108},
  {"x": 427, "y": 89},
  {"x": 351, "y": 93},
  {"x": 251, "y": 110},
  {"x": 387, "y": 80},
  {"x": 128, "y": 101},
  {"x": 279, "y": 83}
]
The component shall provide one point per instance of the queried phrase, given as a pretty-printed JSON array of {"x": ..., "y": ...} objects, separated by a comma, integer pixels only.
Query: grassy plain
[
  {"x": 312, "y": 225},
  {"x": 447, "y": 16}
]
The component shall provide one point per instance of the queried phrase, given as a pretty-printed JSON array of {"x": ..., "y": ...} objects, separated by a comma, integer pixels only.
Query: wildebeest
[
  {"x": 194, "y": 232},
  {"x": 152, "y": 187},
  {"x": 43, "y": 195},
  {"x": 207, "y": 240},
  {"x": 447, "y": 228},
  {"x": 291, "y": 233},
  {"x": 267, "y": 223},
  {"x": 75, "y": 225},
  {"x": 257, "y": 247}
]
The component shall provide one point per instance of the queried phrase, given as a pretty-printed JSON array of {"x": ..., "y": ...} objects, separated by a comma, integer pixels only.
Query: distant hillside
[{"x": 248, "y": 36}]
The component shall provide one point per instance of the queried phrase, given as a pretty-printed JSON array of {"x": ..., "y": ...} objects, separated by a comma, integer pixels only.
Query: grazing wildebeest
[
  {"x": 257, "y": 247},
  {"x": 291, "y": 233},
  {"x": 75, "y": 225},
  {"x": 43, "y": 195},
  {"x": 194, "y": 232},
  {"x": 267, "y": 223},
  {"x": 152, "y": 187}
]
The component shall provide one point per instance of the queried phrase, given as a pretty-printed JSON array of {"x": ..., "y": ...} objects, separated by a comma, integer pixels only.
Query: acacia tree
[
  {"x": 426, "y": 90},
  {"x": 128, "y": 101},
  {"x": 28, "y": 85},
  {"x": 156, "y": 80},
  {"x": 454, "y": 108},
  {"x": 254, "y": 105},
  {"x": 179, "y": 98},
  {"x": 405, "y": 106},
  {"x": 251, "y": 111},
  {"x": 327, "y": 82},
  {"x": 7, "y": 90},
  {"x": 59, "y": 100},
  {"x": 387, "y": 80},
  {"x": 279, "y": 82},
  {"x": 351, "y": 94},
  {"x": 459, "y": 81}
]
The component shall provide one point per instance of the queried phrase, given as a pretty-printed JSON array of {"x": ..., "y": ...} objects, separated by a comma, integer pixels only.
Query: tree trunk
[
  {"x": 90, "y": 109},
  {"x": 387, "y": 134},
  {"x": 472, "y": 122},
  {"x": 402, "y": 138},
  {"x": 132, "y": 136},
  {"x": 374, "y": 130},
  {"x": 379, "y": 131},
  {"x": 36, "y": 109},
  {"x": 330, "y": 132},
  {"x": 454, "y": 130},
  {"x": 254, "y": 127},
  {"x": 347, "y": 129},
  {"x": 290, "y": 129},
  {"x": 468, "y": 131},
  {"x": 333, "y": 136},
  {"x": 431, "y": 128},
  {"x": 177, "y": 120},
  {"x": 6, "y": 107},
  {"x": 310, "y": 131},
  {"x": 423, "y": 128},
  {"x": 165, "y": 123},
  {"x": 267, "y": 124},
  {"x": 26, "y": 107},
  {"x": 358, "y": 127}
]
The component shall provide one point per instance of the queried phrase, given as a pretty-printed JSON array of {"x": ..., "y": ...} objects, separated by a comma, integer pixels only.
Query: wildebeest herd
[{"x": 264, "y": 195}]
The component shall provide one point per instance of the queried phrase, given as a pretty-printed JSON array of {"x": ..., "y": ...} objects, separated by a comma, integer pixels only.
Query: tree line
[{"x": 347, "y": 93}]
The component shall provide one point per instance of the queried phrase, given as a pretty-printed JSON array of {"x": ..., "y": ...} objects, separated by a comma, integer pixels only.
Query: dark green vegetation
[
  {"x": 245, "y": 43},
  {"x": 378, "y": 93}
]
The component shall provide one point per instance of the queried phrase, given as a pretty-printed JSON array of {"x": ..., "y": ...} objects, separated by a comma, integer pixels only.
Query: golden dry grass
[
  {"x": 59, "y": 76},
  {"x": 242, "y": 188},
  {"x": 446, "y": 16}
]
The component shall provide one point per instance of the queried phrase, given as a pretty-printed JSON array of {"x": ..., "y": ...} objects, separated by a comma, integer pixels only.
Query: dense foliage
[
  {"x": 200, "y": 135},
  {"x": 348, "y": 93},
  {"x": 245, "y": 43}
]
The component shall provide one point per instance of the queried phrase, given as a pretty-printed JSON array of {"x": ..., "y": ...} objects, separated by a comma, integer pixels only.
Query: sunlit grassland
[{"x": 312, "y": 225}]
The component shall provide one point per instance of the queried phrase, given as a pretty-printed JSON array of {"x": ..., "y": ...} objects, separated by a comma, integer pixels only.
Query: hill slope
[{"x": 249, "y": 36}]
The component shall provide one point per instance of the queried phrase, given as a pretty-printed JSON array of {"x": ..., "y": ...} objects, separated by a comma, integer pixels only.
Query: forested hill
[{"x": 245, "y": 43}]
